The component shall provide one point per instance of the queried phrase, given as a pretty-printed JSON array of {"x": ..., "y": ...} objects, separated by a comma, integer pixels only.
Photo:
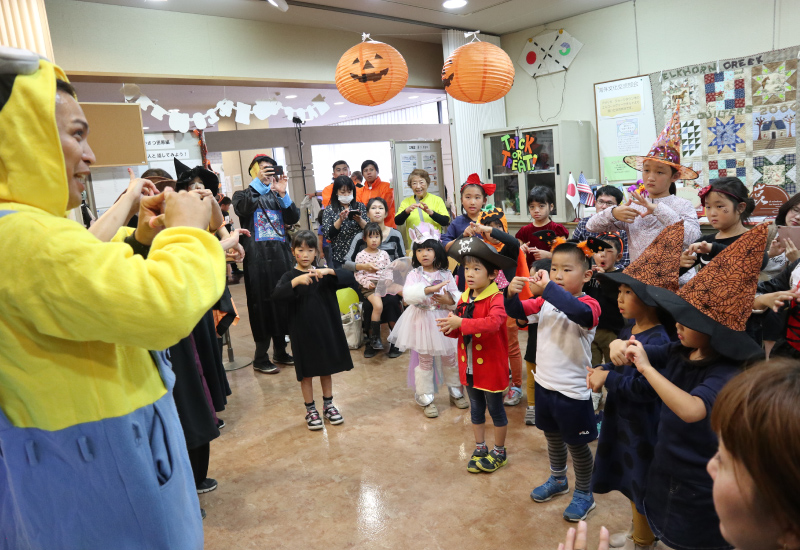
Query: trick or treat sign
[{"x": 518, "y": 152}]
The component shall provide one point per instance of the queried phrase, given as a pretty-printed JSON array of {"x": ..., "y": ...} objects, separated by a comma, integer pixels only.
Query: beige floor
[{"x": 386, "y": 478}]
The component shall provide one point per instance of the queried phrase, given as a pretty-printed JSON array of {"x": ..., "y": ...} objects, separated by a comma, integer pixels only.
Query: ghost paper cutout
[
  {"x": 265, "y": 109},
  {"x": 212, "y": 117},
  {"x": 242, "y": 113},
  {"x": 225, "y": 107},
  {"x": 199, "y": 121},
  {"x": 158, "y": 112},
  {"x": 178, "y": 121}
]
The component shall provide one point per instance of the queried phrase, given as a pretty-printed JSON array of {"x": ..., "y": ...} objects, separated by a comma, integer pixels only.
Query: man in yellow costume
[{"x": 92, "y": 455}]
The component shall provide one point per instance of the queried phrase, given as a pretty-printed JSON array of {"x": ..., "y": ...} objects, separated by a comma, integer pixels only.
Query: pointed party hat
[
  {"x": 719, "y": 299},
  {"x": 666, "y": 149},
  {"x": 423, "y": 232},
  {"x": 658, "y": 266}
]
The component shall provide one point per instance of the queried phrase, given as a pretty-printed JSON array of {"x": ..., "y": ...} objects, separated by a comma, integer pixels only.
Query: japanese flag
[
  {"x": 572, "y": 193},
  {"x": 549, "y": 52}
]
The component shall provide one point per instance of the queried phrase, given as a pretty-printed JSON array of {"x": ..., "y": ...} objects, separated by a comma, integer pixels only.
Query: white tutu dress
[{"x": 417, "y": 329}]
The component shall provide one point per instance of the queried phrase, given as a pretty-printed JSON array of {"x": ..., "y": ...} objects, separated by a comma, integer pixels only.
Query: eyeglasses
[{"x": 606, "y": 203}]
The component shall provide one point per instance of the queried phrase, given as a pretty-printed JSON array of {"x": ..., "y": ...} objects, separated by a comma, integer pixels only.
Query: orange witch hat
[
  {"x": 666, "y": 149},
  {"x": 725, "y": 291},
  {"x": 659, "y": 265},
  {"x": 719, "y": 299}
]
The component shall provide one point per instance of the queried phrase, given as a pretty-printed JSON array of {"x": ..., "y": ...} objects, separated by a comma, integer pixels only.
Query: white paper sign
[{"x": 180, "y": 154}]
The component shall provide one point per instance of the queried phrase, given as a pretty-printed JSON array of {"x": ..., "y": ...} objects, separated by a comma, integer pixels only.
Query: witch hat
[
  {"x": 666, "y": 149},
  {"x": 186, "y": 175},
  {"x": 658, "y": 266},
  {"x": 719, "y": 299}
]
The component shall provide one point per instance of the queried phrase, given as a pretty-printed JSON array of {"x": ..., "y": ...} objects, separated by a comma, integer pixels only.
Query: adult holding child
[
  {"x": 644, "y": 217},
  {"x": 421, "y": 207},
  {"x": 392, "y": 244}
]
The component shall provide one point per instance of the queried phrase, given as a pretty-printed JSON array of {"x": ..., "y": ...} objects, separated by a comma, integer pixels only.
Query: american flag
[{"x": 585, "y": 192}]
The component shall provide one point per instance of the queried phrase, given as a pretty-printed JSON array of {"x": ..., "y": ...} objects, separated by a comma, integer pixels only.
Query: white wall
[
  {"x": 671, "y": 34},
  {"x": 118, "y": 39}
]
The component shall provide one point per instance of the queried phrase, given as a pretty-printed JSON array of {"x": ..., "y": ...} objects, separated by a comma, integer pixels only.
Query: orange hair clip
[
  {"x": 584, "y": 246},
  {"x": 558, "y": 241}
]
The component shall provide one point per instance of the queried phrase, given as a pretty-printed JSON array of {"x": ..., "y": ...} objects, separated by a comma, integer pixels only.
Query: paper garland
[{"x": 182, "y": 122}]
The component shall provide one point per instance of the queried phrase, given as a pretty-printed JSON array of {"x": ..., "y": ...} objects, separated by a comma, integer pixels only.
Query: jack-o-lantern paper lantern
[
  {"x": 371, "y": 73},
  {"x": 478, "y": 72}
]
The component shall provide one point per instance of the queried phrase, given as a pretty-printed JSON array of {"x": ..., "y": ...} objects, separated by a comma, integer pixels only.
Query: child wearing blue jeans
[{"x": 567, "y": 323}]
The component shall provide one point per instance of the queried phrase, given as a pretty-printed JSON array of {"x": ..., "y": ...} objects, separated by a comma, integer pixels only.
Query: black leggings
[
  {"x": 199, "y": 457},
  {"x": 479, "y": 400}
]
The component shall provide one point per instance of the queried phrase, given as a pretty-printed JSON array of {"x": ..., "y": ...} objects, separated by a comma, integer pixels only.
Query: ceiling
[
  {"x": 198, "y": 98},
  {"x": 420, "y": 20}
]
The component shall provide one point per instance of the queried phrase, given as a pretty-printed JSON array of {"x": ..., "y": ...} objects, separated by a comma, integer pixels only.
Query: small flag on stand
[
  {"x": 585, "y": 192},
  {"x": 572, "y": 193}
]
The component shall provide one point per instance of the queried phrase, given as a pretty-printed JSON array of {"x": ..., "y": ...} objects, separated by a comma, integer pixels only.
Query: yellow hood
[{"x": 32, "y": 170}]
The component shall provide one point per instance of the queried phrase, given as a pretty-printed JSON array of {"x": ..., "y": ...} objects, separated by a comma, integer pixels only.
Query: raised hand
[
  {"x": 516, "y": 285},
  {"x": 625, "y": 213},
  {"x": 792, "y": 253},
  {"x": 266, "y": 174},
  {"x": 576, "y": 540},
  {"x": 280, "y": 185},
  {"x": 449, "y": 324},
  {"x": 641, "y": 201},
  {"x": 776, "y": 248}
]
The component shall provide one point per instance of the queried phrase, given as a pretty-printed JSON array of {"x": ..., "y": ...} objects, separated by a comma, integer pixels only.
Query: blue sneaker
[
  {"x": 549, "y": 489},
  {"x": 582, "y": 503}
]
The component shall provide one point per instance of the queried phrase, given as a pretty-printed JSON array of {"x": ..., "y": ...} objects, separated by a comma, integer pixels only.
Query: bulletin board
[
  {"x": 625, "y": 125},
  {"x": 116, "y": 134}
]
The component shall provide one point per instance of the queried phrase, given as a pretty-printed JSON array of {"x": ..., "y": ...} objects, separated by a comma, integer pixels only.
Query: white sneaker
[
  {"x": 513, "y": 397},
  {"x": 619, "y": 540},
  {"x": 430, "y": 411}
]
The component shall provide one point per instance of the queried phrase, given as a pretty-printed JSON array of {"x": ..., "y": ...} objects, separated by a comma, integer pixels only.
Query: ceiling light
[
  {"x": 413, "y": 97},
  {"x": 145, "y": 127},
  {"x": 450, "y": 4},
  {"x": 290, "y": 96},
  {"x": 282, "y": 5},
  {"x": 339, "y": 103},
  {"x": 342, "y": 116}
]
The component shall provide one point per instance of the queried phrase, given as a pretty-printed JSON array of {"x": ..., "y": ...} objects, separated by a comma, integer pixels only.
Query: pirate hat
[
  {"x": 666, "y": 149},
  {"x": 719, "y": 299},
  {"x": 473, "y": 246},
  {"x": 658, "y": 266},
  {"x": 186, "y": 175}
]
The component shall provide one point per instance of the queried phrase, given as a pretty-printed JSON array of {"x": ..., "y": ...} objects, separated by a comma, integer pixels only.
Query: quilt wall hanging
[{"x": 737, "y": 117}]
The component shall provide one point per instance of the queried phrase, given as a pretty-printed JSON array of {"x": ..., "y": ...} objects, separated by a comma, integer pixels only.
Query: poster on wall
[
  {"x": 625, "y": 124},
  {"x": 430, "y": 163},
  {"x": 737, "y": 117},
  {"x": 408, "y": 163}
]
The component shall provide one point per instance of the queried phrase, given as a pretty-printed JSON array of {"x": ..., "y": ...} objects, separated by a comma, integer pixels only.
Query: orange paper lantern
[
  {"x": 371, "y": 73},
  {"x": 478, "y": 72}
]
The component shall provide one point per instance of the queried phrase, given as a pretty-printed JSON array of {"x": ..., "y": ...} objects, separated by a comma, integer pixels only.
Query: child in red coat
[{"x": 479, "y": 325}]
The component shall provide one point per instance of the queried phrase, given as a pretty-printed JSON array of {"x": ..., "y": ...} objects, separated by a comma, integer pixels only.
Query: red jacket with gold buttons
[{"x": 489, "y": 342}]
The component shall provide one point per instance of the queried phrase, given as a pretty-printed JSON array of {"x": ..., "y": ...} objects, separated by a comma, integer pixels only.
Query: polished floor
[{"x": 386, "y": 478}]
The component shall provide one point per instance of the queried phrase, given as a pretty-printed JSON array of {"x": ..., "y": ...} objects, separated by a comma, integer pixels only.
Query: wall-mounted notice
[
  {"x": 408, "y": 163},
  {"x": 625, "y": 124},
  {"x": 430, "y": 163}
]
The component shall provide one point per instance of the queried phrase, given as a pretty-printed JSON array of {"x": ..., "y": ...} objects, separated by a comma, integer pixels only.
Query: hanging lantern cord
[{"x": 473, "y": 34}]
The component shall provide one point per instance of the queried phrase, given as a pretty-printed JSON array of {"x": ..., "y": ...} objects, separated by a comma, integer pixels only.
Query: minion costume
[{"x": 92, "y": 455}]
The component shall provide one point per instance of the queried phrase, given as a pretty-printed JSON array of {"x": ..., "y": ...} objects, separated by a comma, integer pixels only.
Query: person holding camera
[
  {"x": 343, "y": 219},
  {"x": 266, "y": 210}
]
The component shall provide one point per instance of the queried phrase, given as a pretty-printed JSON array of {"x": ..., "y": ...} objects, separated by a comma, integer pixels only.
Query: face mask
[{"x": 345, "y": 199}]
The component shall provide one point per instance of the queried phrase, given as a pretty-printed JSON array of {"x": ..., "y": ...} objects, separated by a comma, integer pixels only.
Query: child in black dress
[{"x": 315, "y": 325}]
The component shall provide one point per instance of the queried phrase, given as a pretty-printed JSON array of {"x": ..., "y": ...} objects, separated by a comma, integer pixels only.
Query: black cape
[
  {"x": 267, "y": 257},
  {"x": 319, "y": 344}
]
